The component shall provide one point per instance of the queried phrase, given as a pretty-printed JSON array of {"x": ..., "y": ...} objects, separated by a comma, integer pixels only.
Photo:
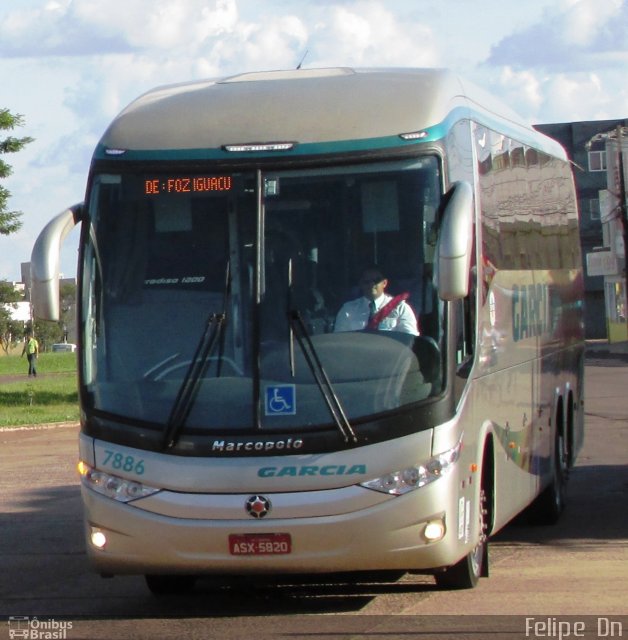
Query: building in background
[
  {"x": 610, "y": 261},
  {"x": 589, "y": 154}
]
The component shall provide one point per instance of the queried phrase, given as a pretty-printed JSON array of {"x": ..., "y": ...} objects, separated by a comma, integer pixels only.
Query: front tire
[{"x": 466, "y": 573}]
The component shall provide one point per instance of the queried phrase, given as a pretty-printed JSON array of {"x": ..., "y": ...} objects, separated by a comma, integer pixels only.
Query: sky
[{"x": 69, "y": 66}]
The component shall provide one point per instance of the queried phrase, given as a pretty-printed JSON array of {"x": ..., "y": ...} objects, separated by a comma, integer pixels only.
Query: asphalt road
[{"x": 545, "y": 581}]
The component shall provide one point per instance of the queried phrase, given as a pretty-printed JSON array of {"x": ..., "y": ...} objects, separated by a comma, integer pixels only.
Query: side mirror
[
  {"x": 455, "y": 243},
  {"x": 45, "y": 263}
]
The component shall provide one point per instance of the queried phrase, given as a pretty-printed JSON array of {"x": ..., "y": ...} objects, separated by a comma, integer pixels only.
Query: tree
[
  {"x": 10, "y": 330},
  {"x": 9, "y": 220},
  {"x": 47, "y": 333}
]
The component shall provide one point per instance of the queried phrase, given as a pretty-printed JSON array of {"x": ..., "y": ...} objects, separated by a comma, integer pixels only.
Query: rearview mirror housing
[
  {"x": 45, "y": 263},
  {"x": 455, "y": 243}
]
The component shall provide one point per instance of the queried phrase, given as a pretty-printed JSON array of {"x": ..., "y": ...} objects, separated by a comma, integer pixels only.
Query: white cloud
[
  {"x": 271, "y": 43},
  {"x": 52, "y": 29},
  {"x": 576, "y": 35},
  {"x": 91, "y": 27},
  {"x": 160, "y": 24},
  {"x": 540, "y": 96},
  {"x": 584, "y": 96},
  {"x": 586, "y": 20},
  {"x": 370, "y": 33},
  {"x": 522, "y": 89}
]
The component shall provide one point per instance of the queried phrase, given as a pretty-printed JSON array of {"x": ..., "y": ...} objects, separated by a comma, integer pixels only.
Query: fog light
[
  {"x": 98, "y": 538},
  {"x": 434, "y": 530}
]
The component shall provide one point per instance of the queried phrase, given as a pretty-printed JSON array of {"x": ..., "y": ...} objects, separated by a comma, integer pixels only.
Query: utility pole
[{"x": 622, "y": 200}]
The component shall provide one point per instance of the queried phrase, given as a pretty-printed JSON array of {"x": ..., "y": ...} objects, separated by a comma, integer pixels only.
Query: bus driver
[{"x": 376, "y": 310}]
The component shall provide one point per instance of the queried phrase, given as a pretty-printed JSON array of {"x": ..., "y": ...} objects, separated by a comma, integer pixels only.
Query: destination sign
[{"x": 186, "y": 184}]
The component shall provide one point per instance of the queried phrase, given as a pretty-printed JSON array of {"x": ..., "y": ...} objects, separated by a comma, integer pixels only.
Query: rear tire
[{"x": 548, "y": 507}]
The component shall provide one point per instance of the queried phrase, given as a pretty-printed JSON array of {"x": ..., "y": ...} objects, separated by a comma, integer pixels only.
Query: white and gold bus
[{"x": 227, "y": 426}]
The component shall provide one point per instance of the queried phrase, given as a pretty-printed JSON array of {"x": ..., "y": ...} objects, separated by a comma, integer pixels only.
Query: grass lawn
[{"x": 50, "y": 397}]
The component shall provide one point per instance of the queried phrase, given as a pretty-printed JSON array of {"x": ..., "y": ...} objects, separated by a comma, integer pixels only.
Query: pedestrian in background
[{"x": 31, "y": 349}]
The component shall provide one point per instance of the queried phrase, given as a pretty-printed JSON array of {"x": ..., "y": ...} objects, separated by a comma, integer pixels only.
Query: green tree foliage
[
  {"x": 47, "y": 333},
  {"x": 10, "y": 331},
  {"x": 9, "y": 220}
]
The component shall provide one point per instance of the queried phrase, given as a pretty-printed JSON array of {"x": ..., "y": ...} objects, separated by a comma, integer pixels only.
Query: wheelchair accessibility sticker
[{"x": 281, "y": 400}]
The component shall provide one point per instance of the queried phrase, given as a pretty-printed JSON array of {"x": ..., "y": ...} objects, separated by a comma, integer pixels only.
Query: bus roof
[{"x": 309, "y": 106}]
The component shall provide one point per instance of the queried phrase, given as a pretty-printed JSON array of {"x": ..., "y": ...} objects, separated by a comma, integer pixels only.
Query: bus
[{"x": 232, "y": 423}]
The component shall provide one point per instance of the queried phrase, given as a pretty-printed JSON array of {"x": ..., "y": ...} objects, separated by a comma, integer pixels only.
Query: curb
[{"x": 40, "y": 427}]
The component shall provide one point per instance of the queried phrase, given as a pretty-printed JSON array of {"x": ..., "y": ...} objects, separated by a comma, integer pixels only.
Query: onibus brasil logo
[{"x": 34, "y": 629}]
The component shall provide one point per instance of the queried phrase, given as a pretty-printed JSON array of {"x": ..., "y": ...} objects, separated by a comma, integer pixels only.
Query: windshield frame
[{"x": 119, "y": 423}]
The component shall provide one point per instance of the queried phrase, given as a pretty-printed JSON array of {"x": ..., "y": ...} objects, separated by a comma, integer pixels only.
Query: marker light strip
[
  {"x": 255, "y": 146},
  {"x": 413, "y": 135}
]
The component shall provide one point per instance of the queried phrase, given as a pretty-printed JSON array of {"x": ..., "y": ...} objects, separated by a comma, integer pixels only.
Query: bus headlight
[
  {"x": 113, "y": 486},
  {"x": 399, "y": 482}
]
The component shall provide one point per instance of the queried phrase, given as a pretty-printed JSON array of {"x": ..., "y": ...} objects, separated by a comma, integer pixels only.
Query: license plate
[{"x": 259, "y": 544}]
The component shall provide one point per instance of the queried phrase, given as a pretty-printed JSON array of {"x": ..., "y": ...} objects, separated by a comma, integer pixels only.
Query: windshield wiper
[
  {"x": 189, "y": 387},
  {"x": 186, "y": 396},
  {"x": 297, "y": 327}
]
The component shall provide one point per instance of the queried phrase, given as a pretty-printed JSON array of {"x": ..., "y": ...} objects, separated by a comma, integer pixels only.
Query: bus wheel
[
  {"x": 547, "y": 508},
  {"x": 466, "y": 573},
  {"x": 161, "y": 585}
]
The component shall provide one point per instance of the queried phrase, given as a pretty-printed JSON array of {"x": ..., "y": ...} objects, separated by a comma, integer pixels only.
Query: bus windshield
[{"x": 235, "y": 302}]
